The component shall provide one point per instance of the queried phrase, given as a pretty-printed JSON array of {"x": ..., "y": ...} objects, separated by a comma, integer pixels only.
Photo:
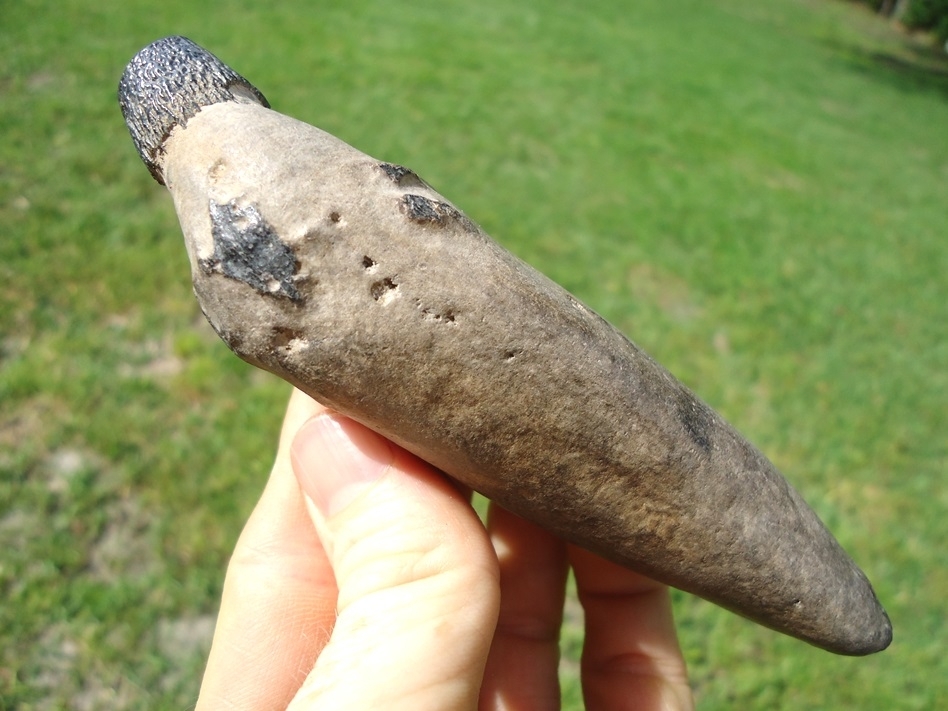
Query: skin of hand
[{"x": 364, "y": 580}]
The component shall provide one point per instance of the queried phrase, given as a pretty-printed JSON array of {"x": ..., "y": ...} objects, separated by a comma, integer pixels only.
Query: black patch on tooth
[
  {"x": 247, "y": 248},
  {"x": 166, "y": 84},
  {"x": 425, "y": 210},
  {"x": 395, "y": 172},
  {"x": 402, "y": 176}
]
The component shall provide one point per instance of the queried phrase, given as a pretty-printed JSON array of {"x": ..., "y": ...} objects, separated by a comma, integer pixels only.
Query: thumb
[{"x": 416, "y": 573}]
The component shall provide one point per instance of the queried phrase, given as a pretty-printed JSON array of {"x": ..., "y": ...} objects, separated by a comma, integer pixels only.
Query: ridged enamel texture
[{"x": 166, "y": 84}]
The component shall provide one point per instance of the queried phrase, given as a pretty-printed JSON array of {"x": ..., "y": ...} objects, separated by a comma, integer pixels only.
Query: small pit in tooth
[{"x": 384, "y": 290}]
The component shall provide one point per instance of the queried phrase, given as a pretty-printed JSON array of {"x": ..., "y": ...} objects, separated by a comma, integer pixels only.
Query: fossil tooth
[{"x": 352, "y": 279}]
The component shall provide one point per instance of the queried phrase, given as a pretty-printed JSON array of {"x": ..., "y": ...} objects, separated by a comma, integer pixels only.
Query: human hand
[{"x": 364, "y": 580}]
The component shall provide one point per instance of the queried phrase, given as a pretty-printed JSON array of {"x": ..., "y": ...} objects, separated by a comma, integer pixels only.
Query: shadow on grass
[
  {"x": 908, "y": 74},
  {"x": 915, "y": 68}
]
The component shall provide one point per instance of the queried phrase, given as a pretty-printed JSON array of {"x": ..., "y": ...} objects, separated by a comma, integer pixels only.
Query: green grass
[{"x": 754, "y": 192}]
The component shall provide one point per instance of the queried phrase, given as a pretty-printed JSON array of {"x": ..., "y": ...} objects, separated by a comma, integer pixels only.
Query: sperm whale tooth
[{"x": 354, "y": 280}]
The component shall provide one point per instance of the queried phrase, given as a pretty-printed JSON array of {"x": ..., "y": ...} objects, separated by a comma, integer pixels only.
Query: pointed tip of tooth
[
  {"x": 879, "y": 639},
  {"x": 868, "y": 636},
  {"x": 875, "y": 640},
  {"x": 862, "y": 636},
  {"x": 862, "y": 625},
  {"x": 846, "y": 616},
  {"x": 167, "y": 83}
]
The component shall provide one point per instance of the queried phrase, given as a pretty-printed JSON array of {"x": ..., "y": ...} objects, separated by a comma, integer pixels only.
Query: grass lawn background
[{"x": 755, "y": 192}]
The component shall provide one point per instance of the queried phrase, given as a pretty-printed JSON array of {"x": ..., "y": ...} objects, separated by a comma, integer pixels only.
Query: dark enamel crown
[{"x": 166, "y": 84}]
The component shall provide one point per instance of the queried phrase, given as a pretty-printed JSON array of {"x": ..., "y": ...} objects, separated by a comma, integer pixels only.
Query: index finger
[{"x": 279, "y": 599}]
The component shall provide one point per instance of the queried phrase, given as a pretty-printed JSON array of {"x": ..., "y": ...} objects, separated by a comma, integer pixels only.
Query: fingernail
[{"x": 336, "y": 458}]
